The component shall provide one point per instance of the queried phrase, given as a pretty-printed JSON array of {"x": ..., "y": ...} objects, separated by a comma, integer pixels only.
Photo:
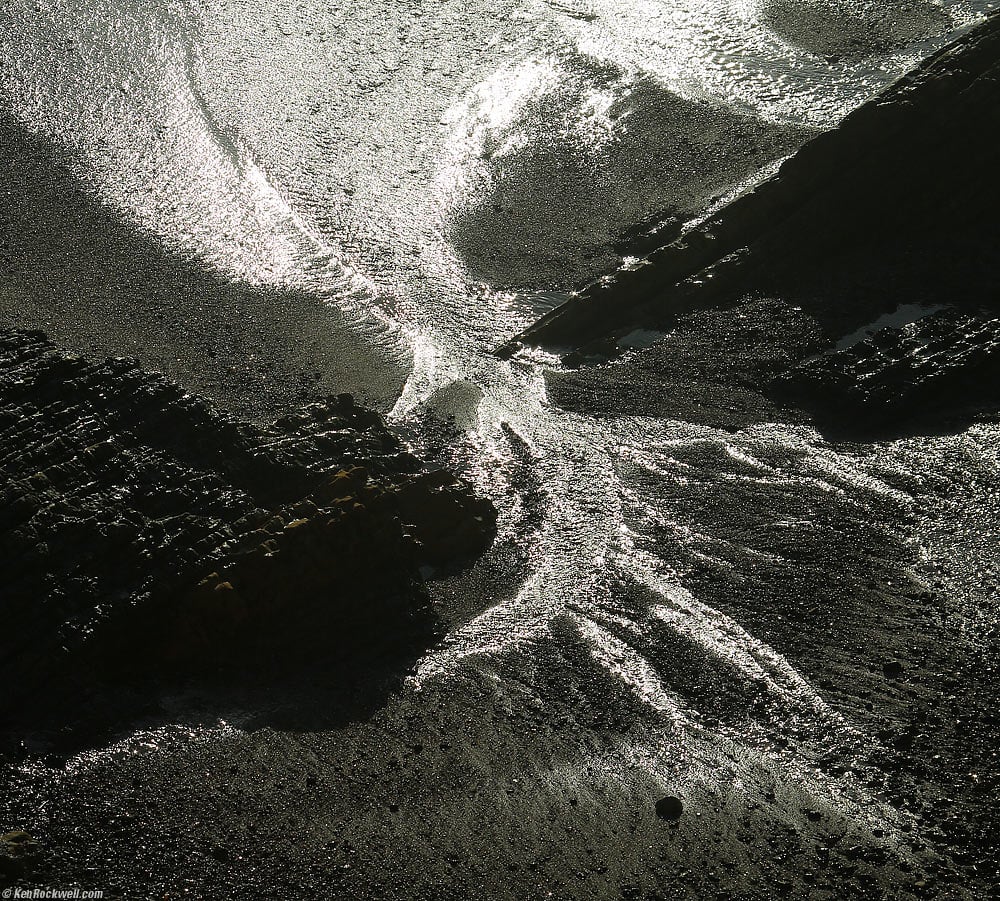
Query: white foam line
[
  {"x": 632, "y": 668},
  {"x": 724, "y": 638}
]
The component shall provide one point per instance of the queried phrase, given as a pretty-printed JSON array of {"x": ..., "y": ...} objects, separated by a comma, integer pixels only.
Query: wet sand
[
  {"x": 100, "y": 286},
  {"x": 693, "y": 594}
]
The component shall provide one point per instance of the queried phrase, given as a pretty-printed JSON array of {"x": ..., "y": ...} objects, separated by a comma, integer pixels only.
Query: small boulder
[
  {"x": 893, "y": 669},
  {"x": 669, "y": 808}
]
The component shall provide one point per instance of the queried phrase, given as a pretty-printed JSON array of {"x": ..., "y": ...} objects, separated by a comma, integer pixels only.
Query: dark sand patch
[{"x": 853, "y": 30}]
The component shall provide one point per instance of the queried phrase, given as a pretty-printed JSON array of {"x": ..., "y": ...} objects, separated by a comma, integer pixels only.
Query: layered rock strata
[
  {"x": 939, "y": 366},
  {"x": 143, "y": 533}
]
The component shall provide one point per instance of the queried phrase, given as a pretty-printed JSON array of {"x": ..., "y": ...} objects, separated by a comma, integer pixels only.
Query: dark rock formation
[
  {"x": 142, "y": 533},
  {"x": 908, "y": 176},
  {"x": 941, "y": 366}
]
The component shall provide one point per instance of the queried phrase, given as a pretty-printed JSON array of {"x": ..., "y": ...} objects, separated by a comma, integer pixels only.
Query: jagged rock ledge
[
  {"x": 898, "y": 171},
  {"x": 144, "y": 534},
  {"x": 939, "y": 369}
]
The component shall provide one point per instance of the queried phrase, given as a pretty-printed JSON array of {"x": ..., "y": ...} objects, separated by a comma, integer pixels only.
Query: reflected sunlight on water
[{"x": 335, "y": 149}]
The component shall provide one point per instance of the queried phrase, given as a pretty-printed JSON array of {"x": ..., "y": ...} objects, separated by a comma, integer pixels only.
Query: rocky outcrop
[
  {"x": 941, "y": 366},
  {"x": 143, "y": 533},
  {"x": 895, "y": 177}
]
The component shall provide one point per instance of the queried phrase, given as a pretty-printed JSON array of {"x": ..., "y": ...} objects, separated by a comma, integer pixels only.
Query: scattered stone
[
  {"x": 669, "y": 808},
  {"x": 892, "y": 669},
  {"x": 19, "y": 852}
]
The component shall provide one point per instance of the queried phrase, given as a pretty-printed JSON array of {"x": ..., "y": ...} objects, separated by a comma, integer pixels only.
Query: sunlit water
[{"x": 354, "y": 151}]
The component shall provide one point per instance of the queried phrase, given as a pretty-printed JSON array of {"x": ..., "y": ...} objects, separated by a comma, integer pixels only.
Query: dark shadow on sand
[
  {"x": 74, "y": 268},
  {"x": 839, "y": 31}
]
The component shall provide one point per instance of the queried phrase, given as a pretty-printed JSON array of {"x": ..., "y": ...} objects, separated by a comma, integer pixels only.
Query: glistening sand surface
[{"x": 672, "y": 607}]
